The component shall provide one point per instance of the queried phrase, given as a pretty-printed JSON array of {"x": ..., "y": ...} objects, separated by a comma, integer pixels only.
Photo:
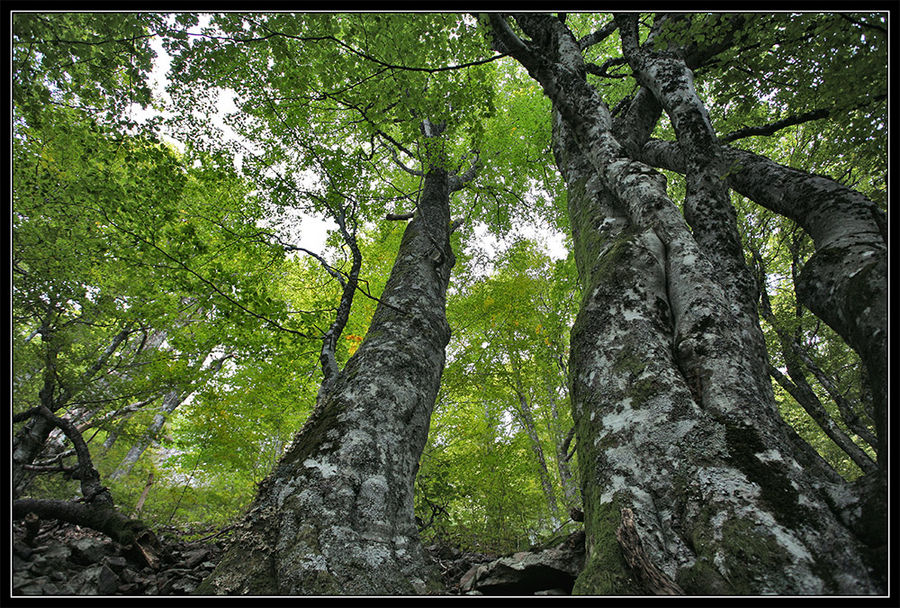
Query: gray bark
[
  {"x": 671, "y": 424},
  {"x": 526, "y": 419},
  {"x": 707, "y": 488},
  {"x": 336, "y": 514},
  {"x": 707, "y": 203},
  {"x": 171, "y": 400},
  {"x": 845, "y": 282}
]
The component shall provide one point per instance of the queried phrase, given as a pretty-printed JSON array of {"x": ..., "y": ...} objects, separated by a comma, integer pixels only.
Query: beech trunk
[
  {"x": 336, "y": 514},
  {"x": 674, "y": 432}
]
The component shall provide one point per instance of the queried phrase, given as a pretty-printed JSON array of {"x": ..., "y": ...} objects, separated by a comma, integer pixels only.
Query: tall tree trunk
[
  {"x": 526, "y": 419},
  {"x": 336, "y": 514},
  {"x": 561, "y": 446},
  {"x": 171, "y": 400},
  {"x": 671, "y": 424}
]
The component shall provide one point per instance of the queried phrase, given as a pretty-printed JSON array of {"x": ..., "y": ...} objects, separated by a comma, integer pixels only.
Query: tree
[
  {"x": 662, "y": 336},
  {"x": 120, "y": 255},
  {"x": 338, "y": 506},
  {"x": 722, "y": 181}
]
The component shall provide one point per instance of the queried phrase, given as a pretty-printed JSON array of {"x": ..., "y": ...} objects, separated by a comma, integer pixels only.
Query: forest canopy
[{"x": 661, "y": 263}]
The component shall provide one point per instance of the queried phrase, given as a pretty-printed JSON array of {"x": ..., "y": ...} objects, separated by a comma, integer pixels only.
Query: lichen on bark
[{"x": 335, "y": 516}]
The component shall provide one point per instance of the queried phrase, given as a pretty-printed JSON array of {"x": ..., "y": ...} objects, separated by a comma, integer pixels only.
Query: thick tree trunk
[
  {"x": 721, "y": 505},
  {"x": 671, "y": 424},
  {"x": 845, "y": 282},
  {"x": 336, "y": 515}
]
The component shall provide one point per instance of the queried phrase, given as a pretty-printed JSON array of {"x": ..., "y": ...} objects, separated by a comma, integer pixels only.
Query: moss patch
[
  {"x": 776, "y": 489},
  {"x": 605, "y": 570}
]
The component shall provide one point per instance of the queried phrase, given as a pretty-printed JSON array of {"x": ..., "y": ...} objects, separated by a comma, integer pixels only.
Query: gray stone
[
  {"x": 529, "y": 572},
  {"x": 192, "y": 558},
  {"x": 116, "y": 562},
  {"x": 32, "y": 589},
  {"x": 22, "y": 550},
  {"x": 38, "y": 565},
  {"x": 87, "y": 551},
  {"x": 127, "y": 575},
  {"x": 107, "y": 581},
  {"x": 97, "y": 579},
  {"x": 57, "y": 552},
  {"x": 19, "y": 564}
]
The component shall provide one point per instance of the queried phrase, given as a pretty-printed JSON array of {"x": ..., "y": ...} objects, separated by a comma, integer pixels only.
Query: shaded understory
[{"x": 62, "y": 559}]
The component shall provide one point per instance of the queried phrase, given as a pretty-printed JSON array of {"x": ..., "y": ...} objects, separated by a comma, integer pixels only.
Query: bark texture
[
  {"x": 336, "y": 514},
  {"x": 720, "y": 502},
  {"x": 671, "y": 422},
  {"x": 845, "y": 282}
]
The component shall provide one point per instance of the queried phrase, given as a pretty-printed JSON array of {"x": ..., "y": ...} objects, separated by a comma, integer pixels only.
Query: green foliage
[
  {"x": 117, "y": 229},
  {"x": 479, "y": 478},
  {"x": 785, "y": 64},
  {"x": 98, "y": 62}
]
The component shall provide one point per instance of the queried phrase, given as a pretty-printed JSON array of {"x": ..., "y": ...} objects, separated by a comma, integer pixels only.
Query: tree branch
[
  {"x": 91, "y": 488},
  {"x": 603, "y": 70},
  {"x": 458, "y": 182},
  {"x": 399, "y": 216},
  {"x": 129, "y": 532},
  {"x": 400, "y": 164},
  {"x": 598, "y": 36},
  {"x": 769, "y": 129}
]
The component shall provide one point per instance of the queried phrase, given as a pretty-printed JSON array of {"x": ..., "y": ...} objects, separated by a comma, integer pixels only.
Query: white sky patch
[
  {"x": 301, "y": 228},
  {"x": 488, "y": 246}
]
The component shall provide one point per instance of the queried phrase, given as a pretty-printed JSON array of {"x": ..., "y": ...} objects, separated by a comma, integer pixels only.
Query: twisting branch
[
  {"x": 598, "y": 36},
  {"x": 91, "y": 488},
  {"x": 327, "y": 356},
  {"x": 603, "y": 70},
  {"x": 400, "y": 164},
  {"x": 769, "y": 129},
  {"x": 391, "y": 66}
]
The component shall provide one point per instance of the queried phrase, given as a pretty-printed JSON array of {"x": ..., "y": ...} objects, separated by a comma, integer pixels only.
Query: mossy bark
[
  {"x": 720, "y": 502},
  {"x": 335, "y": 516}
]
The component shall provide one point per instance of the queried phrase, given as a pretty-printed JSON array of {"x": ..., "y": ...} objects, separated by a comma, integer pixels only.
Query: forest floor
[{"x": 62, "y": 559}]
